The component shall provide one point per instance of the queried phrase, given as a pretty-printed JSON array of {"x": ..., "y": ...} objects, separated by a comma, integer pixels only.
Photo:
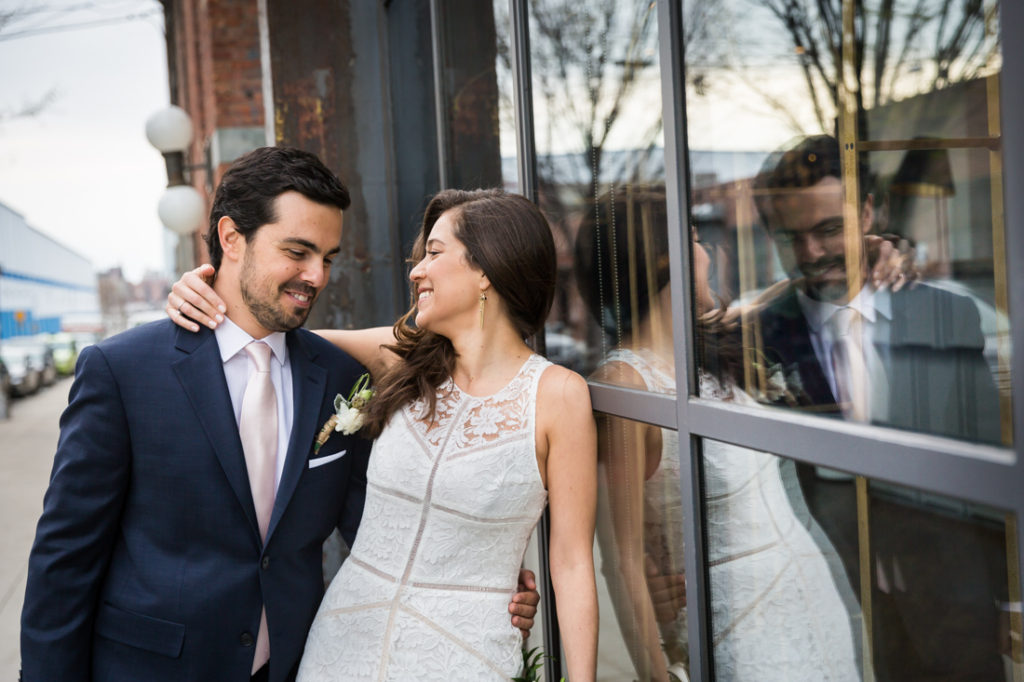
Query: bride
[{"x": 474, "y": 435}]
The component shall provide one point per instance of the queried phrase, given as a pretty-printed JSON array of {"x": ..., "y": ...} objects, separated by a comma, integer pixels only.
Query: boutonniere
[
  {"x": 348, "y": 414},
  {"x": 776, "y": 383}
]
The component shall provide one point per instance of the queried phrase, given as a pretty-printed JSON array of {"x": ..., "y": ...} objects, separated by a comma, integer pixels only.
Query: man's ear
[
  {"x": 232, "y": 242},
  {"x": 867, "y": 214}
]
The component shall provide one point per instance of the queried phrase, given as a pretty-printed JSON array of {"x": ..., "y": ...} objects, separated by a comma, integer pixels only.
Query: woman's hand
[
  {"x": 892, "y": 261},
  {"x": 192, "y": 300}
]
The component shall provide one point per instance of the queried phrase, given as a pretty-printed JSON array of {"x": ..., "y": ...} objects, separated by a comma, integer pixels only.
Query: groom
[{"x": 181, "y": 532}]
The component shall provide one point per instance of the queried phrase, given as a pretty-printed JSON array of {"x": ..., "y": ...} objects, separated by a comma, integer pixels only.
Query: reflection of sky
[{"x": 705, "y": 166}]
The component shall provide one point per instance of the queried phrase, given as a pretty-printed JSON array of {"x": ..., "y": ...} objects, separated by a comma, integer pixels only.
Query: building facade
[
  {"x": 787, "y": 239},
  {"x": 45, "y": 287}
]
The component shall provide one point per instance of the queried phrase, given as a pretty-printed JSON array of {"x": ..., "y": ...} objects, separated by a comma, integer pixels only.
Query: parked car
[
  {"x": 26, "y": 376},
  {"x": 41, "y": 356},
  {"x": 5, "y": 391},
  {"x": 65, "y": 352}
]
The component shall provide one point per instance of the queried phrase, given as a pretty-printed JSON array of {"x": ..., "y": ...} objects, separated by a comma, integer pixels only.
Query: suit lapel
[
  {"x": 309, "y": 383},
  {"x": 201, "y": 374},
  {"x": 788, "y": 338}
]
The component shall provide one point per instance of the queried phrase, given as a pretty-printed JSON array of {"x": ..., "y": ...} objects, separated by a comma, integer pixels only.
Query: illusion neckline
[{"x": 519, "y": 372}]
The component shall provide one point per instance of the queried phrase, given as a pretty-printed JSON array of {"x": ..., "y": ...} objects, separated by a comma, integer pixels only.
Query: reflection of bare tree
[{"x": 941, "y": 41}]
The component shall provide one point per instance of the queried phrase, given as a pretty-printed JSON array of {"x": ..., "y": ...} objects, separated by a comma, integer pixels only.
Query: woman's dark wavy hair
[
  {"x": 509, "y": 240},
  {"x": 249, "y": 188},
  {"x": 610, "y": 254},
  {"x": 609, "y": 257}
]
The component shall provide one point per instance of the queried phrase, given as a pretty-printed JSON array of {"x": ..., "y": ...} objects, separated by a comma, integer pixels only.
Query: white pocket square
[{"x": 326, "y": 459}]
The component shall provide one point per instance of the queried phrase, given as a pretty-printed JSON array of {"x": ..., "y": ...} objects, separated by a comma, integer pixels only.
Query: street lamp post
[{"x": 181, "y": 207}]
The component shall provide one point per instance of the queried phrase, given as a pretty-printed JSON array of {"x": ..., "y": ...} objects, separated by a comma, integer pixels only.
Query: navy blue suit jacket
[{"x": 147, "y": 562}]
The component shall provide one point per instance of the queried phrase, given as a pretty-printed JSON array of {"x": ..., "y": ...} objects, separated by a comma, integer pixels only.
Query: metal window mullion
[
  {"x": 657, "y": 409},
  {"x": 673, "y": 91},
  {"x": 522, "y": 76},
  {"x": 968, "y": 471},
  {"x": 1011, "y": 104},
  {"x": 440, "y": 95}
]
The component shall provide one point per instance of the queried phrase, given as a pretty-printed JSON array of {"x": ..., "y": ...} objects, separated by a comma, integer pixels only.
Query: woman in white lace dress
[{"x": 474, "y": 435}]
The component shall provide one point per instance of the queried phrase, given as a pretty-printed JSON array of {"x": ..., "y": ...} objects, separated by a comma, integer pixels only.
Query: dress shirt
[
  {"x": 232, "y": 340},
  {"x": 875, "y": 308}
]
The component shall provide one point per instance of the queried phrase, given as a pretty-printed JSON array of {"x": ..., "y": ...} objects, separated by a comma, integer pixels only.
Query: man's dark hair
[
  {"x": 247, "y": 191},
  {"x": 802, "y": 164}
]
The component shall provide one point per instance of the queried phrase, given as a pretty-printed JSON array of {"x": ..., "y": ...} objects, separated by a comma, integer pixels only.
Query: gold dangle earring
[{"x": 483, "y": 302}]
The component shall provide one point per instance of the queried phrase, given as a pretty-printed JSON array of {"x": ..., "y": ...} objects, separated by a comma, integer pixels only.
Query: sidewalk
[{"x": 28, "y": 440}]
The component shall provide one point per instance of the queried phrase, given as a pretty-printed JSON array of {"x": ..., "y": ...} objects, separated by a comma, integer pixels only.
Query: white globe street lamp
[
  {"x": 170, "y": 130},
  {"x": 181, "y": 208}
]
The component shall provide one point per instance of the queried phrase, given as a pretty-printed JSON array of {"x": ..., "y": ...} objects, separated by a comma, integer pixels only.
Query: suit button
[
  {"x": 265, "y": 563},
  {"x": 246, "y": 639}
]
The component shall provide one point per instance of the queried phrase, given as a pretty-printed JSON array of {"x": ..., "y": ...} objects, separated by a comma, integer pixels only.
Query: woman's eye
[{"x": 433, "y": 253}]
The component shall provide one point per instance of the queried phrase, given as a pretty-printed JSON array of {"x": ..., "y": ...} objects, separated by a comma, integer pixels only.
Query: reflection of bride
[{"x": 776, "y": 612}]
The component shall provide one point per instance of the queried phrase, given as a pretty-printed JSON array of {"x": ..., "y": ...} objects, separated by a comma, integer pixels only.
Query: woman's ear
[
  {"x": 485, "y": 283},
  {"x": 232, "y": 242}
]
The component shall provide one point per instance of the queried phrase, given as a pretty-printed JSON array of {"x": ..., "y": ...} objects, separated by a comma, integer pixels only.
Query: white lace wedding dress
[
  {"x": 776, "y": 613},
  {"x": 449, "y": 510}
]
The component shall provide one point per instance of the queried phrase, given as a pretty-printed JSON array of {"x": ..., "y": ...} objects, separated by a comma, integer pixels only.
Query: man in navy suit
[
  {"x": 937, "y": 575},
  {"x": 151, "y": 560}
]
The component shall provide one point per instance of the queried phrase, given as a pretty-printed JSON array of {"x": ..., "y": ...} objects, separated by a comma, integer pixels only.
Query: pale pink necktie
[
  {"x": 258, "y": 430},
  {"x": 858, "y": 370}
]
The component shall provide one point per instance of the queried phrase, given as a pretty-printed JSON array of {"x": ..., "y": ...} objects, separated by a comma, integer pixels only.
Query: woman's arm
[
  {"x": 192, "y": 301},
  {"x": 365, "y": 345},
  {"x": 566, "y": 426},
  {"x": 622, "y": 451}
]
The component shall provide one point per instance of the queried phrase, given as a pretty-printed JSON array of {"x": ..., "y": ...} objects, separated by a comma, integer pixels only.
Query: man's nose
[
  {"x": 315, "y": 274},
  {"x": 808, "y": 247}
]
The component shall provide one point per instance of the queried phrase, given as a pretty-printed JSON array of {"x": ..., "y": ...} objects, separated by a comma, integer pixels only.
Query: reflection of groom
[
  {"x": 935, "y": 577},
  {"x": 924, "y": 344},
  {"x": 180, "y": 538}
]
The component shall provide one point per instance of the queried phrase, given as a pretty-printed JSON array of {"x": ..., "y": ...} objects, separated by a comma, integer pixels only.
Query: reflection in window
[
  {"x": 643, "y": 635},
  {"x": 781, "y": 605},
  {"x": 894, "y": 177},
  {"x": 919, "y": 581},
  {"x": 622, "y": 271},
  {"x": 600, "y": 167}
]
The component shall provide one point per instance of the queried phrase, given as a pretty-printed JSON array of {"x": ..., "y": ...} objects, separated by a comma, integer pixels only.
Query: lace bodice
[{"x": 450, "y": 506}]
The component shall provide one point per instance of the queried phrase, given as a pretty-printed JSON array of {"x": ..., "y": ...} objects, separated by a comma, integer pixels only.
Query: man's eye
[
  {"x": 295, "y": 253},
  {"x": 831, "y": 229}
]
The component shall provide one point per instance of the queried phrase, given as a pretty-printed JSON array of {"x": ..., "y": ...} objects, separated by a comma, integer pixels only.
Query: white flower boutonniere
[{"x": 348, "y": 414}]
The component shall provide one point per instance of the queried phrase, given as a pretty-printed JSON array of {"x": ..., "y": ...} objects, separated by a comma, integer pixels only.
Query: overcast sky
[{"x": 82, "y": 171}]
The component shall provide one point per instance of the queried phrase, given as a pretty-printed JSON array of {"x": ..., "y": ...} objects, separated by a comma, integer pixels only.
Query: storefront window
[
  {"x": 640, "y": 541},
  {"x": 846, "y": 175},
  {"x": 600, "y": 166},
  {"x": 818, "y": 574}
]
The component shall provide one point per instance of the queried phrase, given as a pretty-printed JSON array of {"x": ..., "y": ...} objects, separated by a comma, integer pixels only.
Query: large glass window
[
  {"x": 846, "y": 175},
  {"x": 817, "y": 574},
  {"x": 640, "y": 570},
  {"x": 600, "y": 175}
]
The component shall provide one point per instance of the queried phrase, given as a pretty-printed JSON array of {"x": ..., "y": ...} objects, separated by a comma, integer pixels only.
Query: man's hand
[
  {"x": 668, "y": 592},
  {"x": 524, "y": 602}
]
